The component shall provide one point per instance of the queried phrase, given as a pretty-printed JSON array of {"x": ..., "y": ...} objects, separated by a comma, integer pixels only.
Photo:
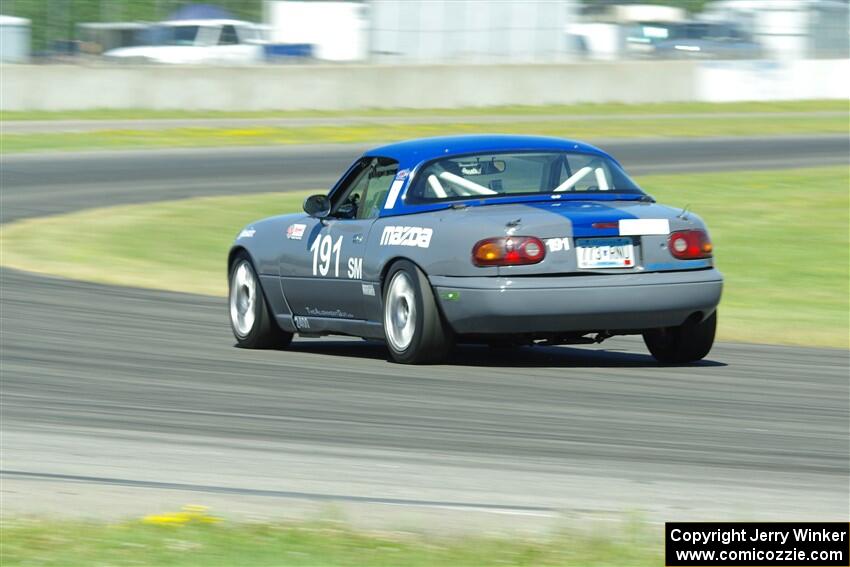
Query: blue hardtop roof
[{"x": 411, "y": 153}]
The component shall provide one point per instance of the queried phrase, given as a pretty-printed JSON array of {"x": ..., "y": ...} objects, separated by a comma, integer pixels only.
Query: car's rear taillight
[
  {"x": 689, "y": 244},
  {"x": 508, "y": 251}
]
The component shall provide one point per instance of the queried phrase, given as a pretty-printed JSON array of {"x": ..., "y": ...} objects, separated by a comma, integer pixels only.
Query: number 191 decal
[{"x": 323, "y": 248}]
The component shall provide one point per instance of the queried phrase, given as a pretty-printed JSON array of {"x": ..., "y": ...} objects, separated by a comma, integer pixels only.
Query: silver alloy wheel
[
  {"x": 243, "y": 294},
  {"x": 400, "y": 311}
]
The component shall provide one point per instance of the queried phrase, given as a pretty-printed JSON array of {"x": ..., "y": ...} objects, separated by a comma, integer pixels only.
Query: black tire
[
  {"x": 262, "y": 331},
  {"x": 431, "y": 339},
  {"x": 689, "y": 342}
]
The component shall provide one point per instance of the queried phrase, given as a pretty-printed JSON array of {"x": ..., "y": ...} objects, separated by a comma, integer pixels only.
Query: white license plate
[{"x": 605, "y": 253}]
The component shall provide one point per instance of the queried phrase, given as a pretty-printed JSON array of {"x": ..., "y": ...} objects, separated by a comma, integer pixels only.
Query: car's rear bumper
[{"x": 616, "y": 302}]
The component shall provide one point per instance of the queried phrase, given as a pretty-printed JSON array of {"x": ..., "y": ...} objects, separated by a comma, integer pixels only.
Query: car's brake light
[
  {"x": 508, "y": 251},
  {"x": 689, "y": 244}
]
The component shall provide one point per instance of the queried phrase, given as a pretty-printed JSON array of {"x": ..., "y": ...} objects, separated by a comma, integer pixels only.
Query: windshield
[
  {"x": 648, "y": 33},
  {"x": 174, "y": 35},
  {"x": 525, "y": 173}
]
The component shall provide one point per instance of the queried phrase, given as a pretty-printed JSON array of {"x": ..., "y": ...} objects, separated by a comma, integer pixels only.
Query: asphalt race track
[{"x": 119, "y": 401}]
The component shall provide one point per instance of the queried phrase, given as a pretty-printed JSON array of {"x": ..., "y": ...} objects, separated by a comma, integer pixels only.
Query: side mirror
[{"x": 318, "y": 206}]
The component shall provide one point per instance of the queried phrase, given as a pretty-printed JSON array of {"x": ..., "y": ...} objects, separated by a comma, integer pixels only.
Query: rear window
[{"x": 522, "y": 173}]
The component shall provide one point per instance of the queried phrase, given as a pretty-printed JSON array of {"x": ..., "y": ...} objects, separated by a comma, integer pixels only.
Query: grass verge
[
  {"x": 53, "y": 543},
  {"x": 781, "y": 240},
  {"x": 649, "y": 127},
  {"x": 575, "y": 109},
  {"x": 610, "y": 121}
]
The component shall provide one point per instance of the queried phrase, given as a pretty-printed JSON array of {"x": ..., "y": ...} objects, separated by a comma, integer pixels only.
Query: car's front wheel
[
  {"x": 250, "y": 318},
  {"x": 688, "y": 342},
  {"x": 413, "y": 326}
]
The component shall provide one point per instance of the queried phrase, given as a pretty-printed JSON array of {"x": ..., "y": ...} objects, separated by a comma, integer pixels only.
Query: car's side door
[{"x": 328, "y": 282}]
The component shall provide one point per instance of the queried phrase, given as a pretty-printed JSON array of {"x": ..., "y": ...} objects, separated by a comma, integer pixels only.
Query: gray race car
[{"x": 504, "y": 240}]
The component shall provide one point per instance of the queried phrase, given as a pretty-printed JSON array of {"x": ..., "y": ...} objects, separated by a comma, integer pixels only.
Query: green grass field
[
  {"x": 781, "y": 239},
  {"x": 610, "y": 121},
  {"x": 69, "y": 544}
]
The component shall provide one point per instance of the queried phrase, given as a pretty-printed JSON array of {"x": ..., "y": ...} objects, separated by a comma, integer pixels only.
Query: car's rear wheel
[
  {"x": 413, "y": 326},
  {"x": 250, "y": 319},
  {"x": 689, "y": 342}
]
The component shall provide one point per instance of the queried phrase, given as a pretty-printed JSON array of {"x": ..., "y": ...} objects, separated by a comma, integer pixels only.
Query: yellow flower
[{"x": 191, "y": 513}]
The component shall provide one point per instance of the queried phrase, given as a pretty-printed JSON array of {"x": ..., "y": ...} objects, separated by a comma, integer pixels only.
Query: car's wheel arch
[
  {"x": 234, "y": 253},
  {"x": 385, "y": 269},
  {"x": 265, "y": 331},
  {"x": 435, "y": 337}
]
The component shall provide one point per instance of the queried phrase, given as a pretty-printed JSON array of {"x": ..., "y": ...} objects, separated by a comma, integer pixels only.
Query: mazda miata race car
[{"x": 506, "y": 240}]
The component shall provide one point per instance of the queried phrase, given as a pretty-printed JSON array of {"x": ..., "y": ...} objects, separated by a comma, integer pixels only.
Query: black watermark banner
[{"x": 762, "y": 544}]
